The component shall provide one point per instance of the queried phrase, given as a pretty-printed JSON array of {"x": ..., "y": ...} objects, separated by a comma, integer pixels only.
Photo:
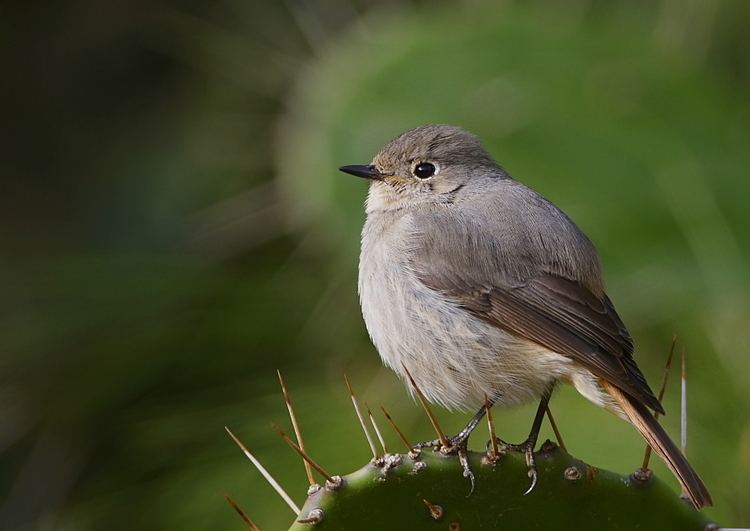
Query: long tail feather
[{"x": 658, "y": 439}]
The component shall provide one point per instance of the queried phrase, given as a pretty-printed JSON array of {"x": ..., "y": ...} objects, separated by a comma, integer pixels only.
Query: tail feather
[{"x": 658, "y": 439}]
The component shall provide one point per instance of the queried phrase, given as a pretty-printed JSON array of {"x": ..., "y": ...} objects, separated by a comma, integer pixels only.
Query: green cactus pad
[{"x": 570, "y": 494}]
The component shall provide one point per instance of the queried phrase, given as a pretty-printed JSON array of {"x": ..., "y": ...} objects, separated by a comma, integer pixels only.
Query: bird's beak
[{"x": 368, "y": 172}]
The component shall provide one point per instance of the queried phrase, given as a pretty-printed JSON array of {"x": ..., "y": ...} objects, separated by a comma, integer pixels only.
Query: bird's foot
[
  {"x": 456, "y": 445},
  {"x": 527, "y": 448}
]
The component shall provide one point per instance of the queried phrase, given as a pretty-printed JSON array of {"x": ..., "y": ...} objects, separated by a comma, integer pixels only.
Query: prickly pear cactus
[{"x": 427, "y": 491}]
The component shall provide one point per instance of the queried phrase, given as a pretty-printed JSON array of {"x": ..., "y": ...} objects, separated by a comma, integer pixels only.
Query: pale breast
[{"x": 455, "y": 358}]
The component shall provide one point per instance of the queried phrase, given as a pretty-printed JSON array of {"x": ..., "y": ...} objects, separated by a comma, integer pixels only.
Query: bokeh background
[{"x": 174, "y": 230}]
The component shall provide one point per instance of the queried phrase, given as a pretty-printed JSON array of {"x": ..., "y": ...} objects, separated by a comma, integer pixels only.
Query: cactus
[{"x": 426, "y": 491}]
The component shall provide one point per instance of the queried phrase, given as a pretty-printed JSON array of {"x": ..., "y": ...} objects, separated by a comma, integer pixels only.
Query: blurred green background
[{"x": 174, "y": 229}]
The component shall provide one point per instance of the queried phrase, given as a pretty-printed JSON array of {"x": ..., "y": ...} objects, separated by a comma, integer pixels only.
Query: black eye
[{"x": 424, "y": 170}]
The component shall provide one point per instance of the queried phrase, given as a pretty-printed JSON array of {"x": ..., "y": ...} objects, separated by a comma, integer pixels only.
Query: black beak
[{"x": 368, "y": 172}]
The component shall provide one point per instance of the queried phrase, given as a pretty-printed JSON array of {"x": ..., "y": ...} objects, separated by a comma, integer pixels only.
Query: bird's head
[{"x": 432, "y": 163}]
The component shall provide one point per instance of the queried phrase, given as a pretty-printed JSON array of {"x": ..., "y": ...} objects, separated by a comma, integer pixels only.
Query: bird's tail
[{"x": 658, "y": 439}]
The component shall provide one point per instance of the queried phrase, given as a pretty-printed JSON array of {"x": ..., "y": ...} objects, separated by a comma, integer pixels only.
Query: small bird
[{"x": 477, "y": 286}]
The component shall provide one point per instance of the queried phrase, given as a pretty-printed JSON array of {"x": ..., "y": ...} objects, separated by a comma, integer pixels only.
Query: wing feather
[{"x": 562, "y": 316}]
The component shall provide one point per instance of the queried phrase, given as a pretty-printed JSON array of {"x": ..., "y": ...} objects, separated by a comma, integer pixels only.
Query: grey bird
[{"x": 477, "y": 287}]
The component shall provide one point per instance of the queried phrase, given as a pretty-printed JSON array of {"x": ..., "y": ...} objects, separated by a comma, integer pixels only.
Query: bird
[{"x": 481, "y": 290}]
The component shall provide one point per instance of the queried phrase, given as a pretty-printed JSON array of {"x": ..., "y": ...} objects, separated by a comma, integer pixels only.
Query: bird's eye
[{"x": 423, "y": 170}]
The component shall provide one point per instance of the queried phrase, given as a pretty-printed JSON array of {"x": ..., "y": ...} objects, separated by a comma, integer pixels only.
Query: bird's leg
[
  {"x": 527, "y": 447},
  {"x": 462, "y": 437},
  {"x": 459, "y": 444}
]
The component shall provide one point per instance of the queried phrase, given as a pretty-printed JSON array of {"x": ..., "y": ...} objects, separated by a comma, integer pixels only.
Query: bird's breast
[{"x": 455, "y": 358}]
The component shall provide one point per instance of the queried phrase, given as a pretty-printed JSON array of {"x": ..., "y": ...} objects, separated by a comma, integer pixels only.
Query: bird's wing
[{"x": 535, "y": 302}]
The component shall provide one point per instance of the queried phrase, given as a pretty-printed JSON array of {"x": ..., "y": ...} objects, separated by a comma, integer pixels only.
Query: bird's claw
[
  {"x": 463, "y": 458},
  {"x": 459, "y": 446},
  {"x": 531, "y": 465},
  {"x": 533, "y": 476},
  {"x": 527, "y": 448}
]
